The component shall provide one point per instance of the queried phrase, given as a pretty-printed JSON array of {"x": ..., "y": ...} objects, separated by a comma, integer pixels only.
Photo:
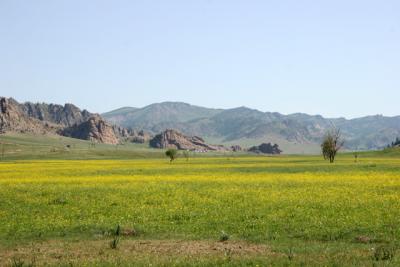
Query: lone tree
[
  {"x": 186, "y": 154},
  {"x": 2, "y": 146},
  {"x": 2, "y": 150},
  {"x": 331, "y": 144},
  {"x": 172, "y": 154}
]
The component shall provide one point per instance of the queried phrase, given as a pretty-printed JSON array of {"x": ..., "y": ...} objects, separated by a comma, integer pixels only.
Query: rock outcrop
[
  {"x": 236, "y": 148},
  {"x": 173, "y": 139},
  {"x": 14, "y": 119},
  {"x": 266, "y": 148},
  {"x": 67, "y": 120},
  {"x": 133, "y": 136},
  {"x": 94, "y": 129},
  {"x": 139, "y": 137},
  {"x": 67, "y": 115}
]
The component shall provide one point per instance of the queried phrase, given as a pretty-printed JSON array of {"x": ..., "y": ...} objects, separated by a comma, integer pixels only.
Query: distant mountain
[
  {"x": 295, "y": 133},
  {"x": 119, "y": 115},
  {"x": 157, "y": 117}
]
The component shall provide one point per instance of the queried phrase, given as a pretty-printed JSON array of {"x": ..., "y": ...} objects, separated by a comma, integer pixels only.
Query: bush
[
  {"x": 114, "y": 243},
  {"x": 186, "y": 154},
  {"x": 223, "y": 237},
  {"x": 172, "y": 154}
]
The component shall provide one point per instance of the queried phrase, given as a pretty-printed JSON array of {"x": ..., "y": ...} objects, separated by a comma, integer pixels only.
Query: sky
[{"x": 337, "y": 58}]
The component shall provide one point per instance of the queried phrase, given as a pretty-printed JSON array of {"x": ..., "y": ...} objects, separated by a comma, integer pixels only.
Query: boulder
[
  {"x": 133, "y": 136},
  {"x": 95, "y": 129},
  {"x": 236, "y": 148},
  {"x": 266, "y": 148}
]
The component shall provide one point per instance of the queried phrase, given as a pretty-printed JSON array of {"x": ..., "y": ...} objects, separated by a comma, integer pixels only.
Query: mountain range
[{"x": 295, "y": 133}]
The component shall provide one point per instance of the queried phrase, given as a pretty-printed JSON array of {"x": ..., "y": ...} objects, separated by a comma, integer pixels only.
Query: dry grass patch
[{"x": 55, "y": 252}]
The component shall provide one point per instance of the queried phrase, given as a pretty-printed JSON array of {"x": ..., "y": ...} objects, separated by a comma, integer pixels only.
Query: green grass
[
  {"x": 286, "y": 146},
  {"x": 29, "y": 147},
  {"x": 280, "y": 211},
  {"x": 24, "y": 146}
]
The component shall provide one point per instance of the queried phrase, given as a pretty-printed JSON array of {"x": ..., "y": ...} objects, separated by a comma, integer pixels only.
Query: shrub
[
  {"x": 172, "y": 154},
  {"x": 114, "y": 243},
  {"x": 186, "y": 154},
  {"x": 223, "y": 237},
  {"x": 118, "y": 231}
]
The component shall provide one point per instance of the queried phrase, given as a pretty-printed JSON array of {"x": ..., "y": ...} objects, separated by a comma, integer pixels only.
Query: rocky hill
[
  {"x": 248, "y": 126},
  {"x": 67, "y": 115},
  {"x": 173, "y": 139},
  {"x": 237, "y": 126},
  {"x": 94, "y": 129},
  {"x": 266, "y": 148},
  {"x": 67, "y": 120},
  {"x": 13, "y": 118}
]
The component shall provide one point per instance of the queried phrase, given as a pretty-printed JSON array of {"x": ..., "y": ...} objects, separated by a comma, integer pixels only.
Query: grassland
[
  {"x": 280, "y": 211},
  {"x": 24, "y": 147}
]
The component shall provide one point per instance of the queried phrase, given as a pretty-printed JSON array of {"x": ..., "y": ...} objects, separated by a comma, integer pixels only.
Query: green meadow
[{"x": 69, "y": 203}]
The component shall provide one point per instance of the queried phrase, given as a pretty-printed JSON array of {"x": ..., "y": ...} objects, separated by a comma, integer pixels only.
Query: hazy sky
[{"x": 335, "y": 58}]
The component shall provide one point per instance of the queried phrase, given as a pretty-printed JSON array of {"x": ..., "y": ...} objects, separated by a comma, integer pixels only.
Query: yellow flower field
[{"x": 300, "y": 210}]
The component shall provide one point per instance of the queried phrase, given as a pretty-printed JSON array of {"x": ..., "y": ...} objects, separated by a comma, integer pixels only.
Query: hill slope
[
  {"x": 296, "y": 132},
  {"x": 157, "y": 117},
  {"x": 51, "y": 119}
]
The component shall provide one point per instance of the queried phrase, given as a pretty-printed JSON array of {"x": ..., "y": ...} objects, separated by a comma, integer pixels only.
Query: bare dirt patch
[{"x": 53, "y": 252}]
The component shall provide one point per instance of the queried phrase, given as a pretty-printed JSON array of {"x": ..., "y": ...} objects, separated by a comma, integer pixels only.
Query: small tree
[
  {"x": 186, "y": 155},
  {"x": 2, "y": 145},
  {"x": 172, "y": 154},
  {"x": 355, "y": 156},
  {"x": 395, "y": 143},
  {"x": 331, "y": 144},
  {"x": 2, "y": 150},
  {"x": 355, "y": 153}
]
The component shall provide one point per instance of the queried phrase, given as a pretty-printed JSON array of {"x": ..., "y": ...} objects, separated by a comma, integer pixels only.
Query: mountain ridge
[
  {"x": 65, "y": 120},
  {"x": 295, "y": 133},
  {"x": 234, "y": 125}
]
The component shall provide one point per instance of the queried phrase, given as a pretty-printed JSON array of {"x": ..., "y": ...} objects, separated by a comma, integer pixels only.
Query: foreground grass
[{"x": 300, "y": 211}]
